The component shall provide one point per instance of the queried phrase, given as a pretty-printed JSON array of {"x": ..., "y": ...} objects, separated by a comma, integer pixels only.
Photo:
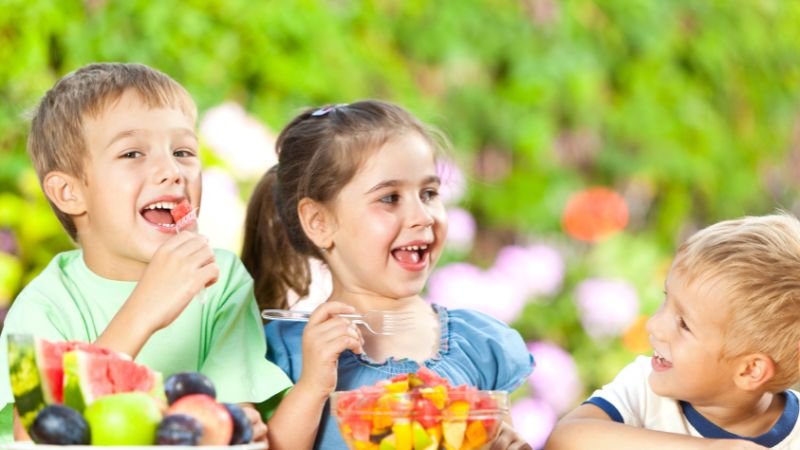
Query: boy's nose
[
  {"x": 168, "y": 171},
  {"x": 654, "y": 324}
]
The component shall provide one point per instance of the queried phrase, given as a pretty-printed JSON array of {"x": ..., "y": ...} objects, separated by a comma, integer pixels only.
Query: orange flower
[{"x": 594, "y": 214}]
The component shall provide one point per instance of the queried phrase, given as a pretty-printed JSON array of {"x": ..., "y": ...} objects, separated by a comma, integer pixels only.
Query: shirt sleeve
[
  {"x": 236, "y": 357},
  {"x": 625, "y": 398},
  {"x": 497, "y": 352}
]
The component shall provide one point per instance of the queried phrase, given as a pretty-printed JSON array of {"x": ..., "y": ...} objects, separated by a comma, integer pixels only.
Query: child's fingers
[
  {"x": 208, "y": 275},
  {"x": 327, "y": 310}
]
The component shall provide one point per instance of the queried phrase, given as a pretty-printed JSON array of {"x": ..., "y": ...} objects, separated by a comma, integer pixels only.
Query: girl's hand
[
  {"x": 325, "y": 337},
  {"x": 508, "y": 439}
]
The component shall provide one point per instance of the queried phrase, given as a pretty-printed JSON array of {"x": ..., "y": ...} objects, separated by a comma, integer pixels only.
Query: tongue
[
  {"x": 407, "y": 256},
  {"x": 159, "y": 216}
]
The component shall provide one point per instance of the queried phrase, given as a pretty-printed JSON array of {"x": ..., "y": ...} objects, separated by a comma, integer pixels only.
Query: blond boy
[
  {"x": 115, "y": 149},
  {"x": 725, "y": 351}
]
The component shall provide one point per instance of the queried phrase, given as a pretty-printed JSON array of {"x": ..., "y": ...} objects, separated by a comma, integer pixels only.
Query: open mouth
[
  {"x": 160, "y": 214},
  {"x": 412, "y": 256},
  {"x": 661, "y": 362}
]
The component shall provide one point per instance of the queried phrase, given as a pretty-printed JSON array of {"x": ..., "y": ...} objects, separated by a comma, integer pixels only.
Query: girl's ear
[
  {"x": 66, "y": 192},
  {"x": 318, "y": 222},
  {"x": 753, "y": 371}
]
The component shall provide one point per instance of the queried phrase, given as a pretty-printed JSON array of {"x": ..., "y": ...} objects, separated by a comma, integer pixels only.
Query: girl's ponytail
[{"x": 267, "y": 252}]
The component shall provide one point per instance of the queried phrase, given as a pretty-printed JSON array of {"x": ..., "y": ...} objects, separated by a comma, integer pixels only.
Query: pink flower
[
  {"x": 239, "y": 139},
  {"x": 461, "y": 229},
  {"x": 454, "y": 185},
  {"x": 318, "y": 291},
  {"x": 606, "y": 307},
  {"x": 533, "y": 419},
  {"x": 537, "y": 270},
  {"x": 462, "y": 285},
  {"x": 555, "y": 379},
  {"x": 222, "y": 211}
]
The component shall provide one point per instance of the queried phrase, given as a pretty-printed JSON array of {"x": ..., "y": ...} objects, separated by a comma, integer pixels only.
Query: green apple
[{"x": 130, "y": 418}]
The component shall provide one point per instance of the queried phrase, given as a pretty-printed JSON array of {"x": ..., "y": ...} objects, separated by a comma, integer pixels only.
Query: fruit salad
[{"x": 418, "y": 411}]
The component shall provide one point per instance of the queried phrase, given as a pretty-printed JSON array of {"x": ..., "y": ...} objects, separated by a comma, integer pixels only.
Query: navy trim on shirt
[
  {"x": 783, "y": 427},
  {"x": 607, "y": 407}
]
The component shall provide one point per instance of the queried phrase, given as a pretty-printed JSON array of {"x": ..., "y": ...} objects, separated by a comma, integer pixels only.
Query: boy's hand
[
  {"x": 179, "y": 269},
  {"x": 259, "y": 427},
  {"x": 325, "y": 337},
  {"x": 508, "y": 439}
]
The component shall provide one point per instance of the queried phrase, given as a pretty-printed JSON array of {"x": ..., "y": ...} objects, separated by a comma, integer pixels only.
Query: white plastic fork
[{"x": 376, "y": 322}]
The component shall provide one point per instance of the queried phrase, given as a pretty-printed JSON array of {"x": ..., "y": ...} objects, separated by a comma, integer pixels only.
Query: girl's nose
[{"x": 421, "y": 215}]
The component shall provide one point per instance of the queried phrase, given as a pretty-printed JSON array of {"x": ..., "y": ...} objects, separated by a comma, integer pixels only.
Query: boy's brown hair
[
  {"x": 57, "y": 141},
  {"x": 759, "y": 259}
]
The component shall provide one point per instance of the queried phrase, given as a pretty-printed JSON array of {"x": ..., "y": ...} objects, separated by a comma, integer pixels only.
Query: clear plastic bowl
[{"x": 454, "y": 419}]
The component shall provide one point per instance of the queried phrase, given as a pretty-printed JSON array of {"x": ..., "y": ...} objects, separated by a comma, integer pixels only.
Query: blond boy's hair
[
  {"x": 57, "y": 141},
  {"x": 759, "y": 259}
]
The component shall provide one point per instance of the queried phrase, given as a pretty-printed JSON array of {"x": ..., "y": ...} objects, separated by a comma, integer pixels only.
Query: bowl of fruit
[
  {"x": 78, "y": 394},
  {"x": 419, "y": 411}
]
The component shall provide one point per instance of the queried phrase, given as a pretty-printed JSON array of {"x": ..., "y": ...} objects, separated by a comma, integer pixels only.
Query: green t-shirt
[{"x": 221, "y": 338}]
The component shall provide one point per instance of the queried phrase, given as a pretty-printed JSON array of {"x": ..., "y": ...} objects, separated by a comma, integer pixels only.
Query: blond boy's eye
[
  {"x": 132, "y": 154},
  {"x": 183, "y": 153}
]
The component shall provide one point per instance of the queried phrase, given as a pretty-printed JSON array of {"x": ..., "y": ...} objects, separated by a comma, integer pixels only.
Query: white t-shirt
[{"x": 629, "y": 400}]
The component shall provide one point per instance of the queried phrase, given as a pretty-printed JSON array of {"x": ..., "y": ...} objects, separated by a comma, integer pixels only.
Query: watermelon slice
[
  {"x": 36, "y": 371},
  {"x": 90, "y": 375},
  {"x": 184, "y": 215}
]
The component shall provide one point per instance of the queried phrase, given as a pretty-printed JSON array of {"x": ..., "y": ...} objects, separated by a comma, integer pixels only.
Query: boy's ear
[
  {"x": 753, "y": 371},
  {"x": 66, "y": 192},
  {"x": 318, "y": 222}
]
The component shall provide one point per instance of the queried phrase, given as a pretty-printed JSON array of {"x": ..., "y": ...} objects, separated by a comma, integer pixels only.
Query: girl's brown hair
[{"x": 319, "y": 152}]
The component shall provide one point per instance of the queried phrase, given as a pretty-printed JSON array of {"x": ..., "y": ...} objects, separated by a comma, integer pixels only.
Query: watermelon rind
[
  {"x": 73, "y": 391},
  {"x": 82, "y": 385},
  {"x": 26, "y": 380}
]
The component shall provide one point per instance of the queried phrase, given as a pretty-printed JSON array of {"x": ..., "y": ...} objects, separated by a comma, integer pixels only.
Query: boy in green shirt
[{"x": 115, "y": 149}]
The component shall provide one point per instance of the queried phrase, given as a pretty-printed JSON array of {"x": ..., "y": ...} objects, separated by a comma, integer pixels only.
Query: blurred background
[{"x": 590, "y": 138}]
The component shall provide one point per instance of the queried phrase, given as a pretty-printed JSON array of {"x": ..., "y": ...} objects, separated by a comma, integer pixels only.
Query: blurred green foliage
[{"x": 689, "y": 109}]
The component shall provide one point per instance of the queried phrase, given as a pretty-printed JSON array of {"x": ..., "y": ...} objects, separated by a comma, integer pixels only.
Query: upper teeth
[
  {"x": 162, "y": 205},
  {"x": 414, "y": 247}
]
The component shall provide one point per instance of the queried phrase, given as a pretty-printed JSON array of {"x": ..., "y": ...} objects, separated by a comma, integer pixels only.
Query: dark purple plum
[
  {"x": 60, "y": 425},
  {"x": 242, "y": 429},
  {"x": 185, "y": 383},
  {"x": 179, "y": 429}
]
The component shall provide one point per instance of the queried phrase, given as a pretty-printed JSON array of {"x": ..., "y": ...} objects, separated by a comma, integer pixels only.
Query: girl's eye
[
  {"x": 132, "y": 154},
  {"x": 183, "y": 153},
  {"x": 682, "y": 324},
  {"x": 429, "y": 194},
  {"x": 392, "y": 198}
]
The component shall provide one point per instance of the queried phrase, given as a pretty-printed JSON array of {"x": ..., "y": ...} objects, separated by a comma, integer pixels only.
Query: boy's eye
[
  {"x": 391, "y": 198},
  {"x": 183, "y": 153},
  {"x": 132, "y": 154},
  {"x": 682, "y": 324}
]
